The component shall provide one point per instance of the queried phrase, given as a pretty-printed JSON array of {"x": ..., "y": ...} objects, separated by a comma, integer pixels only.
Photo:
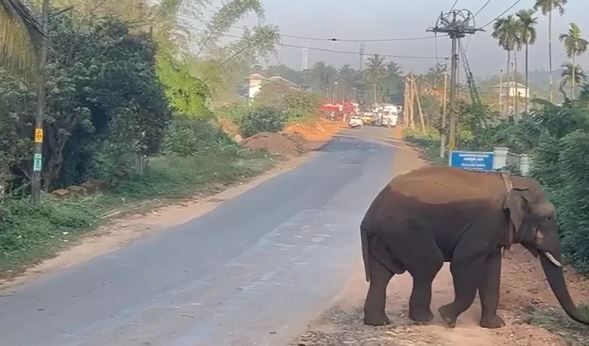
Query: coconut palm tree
[
  {"x": 571, "y": 75},
  {"x": 375, "y": 71},
  {"x": 574, "y": 46},
  {"x": 528, "y": 37},
  {"x": 507, "y": 33},
  {"x": 20, "y": 36},
  {"x": 547, "y": 7}
]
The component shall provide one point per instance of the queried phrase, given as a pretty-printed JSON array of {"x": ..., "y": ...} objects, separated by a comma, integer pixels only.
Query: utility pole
[
  {"x": 500, "y": 92},
  {"x": 305, "y": 61},
  {"x": 444, "y": 114},
  {"x": 361, "y": 60},
  {"x": 456, "y": 24},
  {"x": 41, "y": 94}
]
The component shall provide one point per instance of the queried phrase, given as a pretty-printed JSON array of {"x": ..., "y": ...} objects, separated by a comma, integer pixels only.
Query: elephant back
[{"x": 442, "y": 185}]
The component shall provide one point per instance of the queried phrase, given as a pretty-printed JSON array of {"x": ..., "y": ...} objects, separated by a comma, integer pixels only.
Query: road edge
[{"x": 105, "y": 240}]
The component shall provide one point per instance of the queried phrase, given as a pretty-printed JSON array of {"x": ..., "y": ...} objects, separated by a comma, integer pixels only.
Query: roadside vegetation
[
  {"x": 555, "y": 136},
  {"x": 138, "y": 111}
]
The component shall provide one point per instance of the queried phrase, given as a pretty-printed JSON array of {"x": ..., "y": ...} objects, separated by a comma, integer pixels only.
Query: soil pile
[
  {"x": 319, "y": 131},
  {"x": 275, "y": 143},
  {"x": 296, "y": 139}
]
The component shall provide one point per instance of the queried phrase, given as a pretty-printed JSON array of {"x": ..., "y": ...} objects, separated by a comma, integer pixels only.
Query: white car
[
  {"x": 355, "y": 121},
  {"x": 390, "y": 120}
]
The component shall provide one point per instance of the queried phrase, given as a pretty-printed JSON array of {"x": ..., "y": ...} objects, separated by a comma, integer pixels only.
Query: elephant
[{"x": 433, "y": 215}]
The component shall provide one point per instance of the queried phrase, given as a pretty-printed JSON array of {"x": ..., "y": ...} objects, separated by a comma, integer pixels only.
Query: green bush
[
  {"x": 188, "y": 136},
  {"x": 262, "y": 119},
  {"x": 29, "y": 233}
]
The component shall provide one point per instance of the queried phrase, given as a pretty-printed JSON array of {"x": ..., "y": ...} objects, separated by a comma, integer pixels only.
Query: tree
[
  {"x": 547, "y": 7},
  {"x": 574, "y": 46},
  {"x": 392, "y": 84},
  {"x": 21, "y": 36},
  {"x": 507, "y": 33},
  {"x": 375, "y": 71},
  {"x": 528, "y": 36},
  {"x": 321, "y": 78},
  {"x": 571, "y": 75}
]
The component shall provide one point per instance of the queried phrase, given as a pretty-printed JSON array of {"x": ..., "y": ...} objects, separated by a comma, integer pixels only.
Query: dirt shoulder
[
  {"x": 120, "y": 231},
  {"x": 526, "y": 300}
]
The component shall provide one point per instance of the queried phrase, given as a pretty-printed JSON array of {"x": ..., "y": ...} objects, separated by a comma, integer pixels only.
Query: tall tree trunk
[
  {"x": 550, "y": 51},
  {"x": 375, "y": 100},
  {"x": 515, "y": 85},
  {"x": 508, "y": 98},
  {"x": 574, "y": 73},
  {"x": 527, "y": 95}
]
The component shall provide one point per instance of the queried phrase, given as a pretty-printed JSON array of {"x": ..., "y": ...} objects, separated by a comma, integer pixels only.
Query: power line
[
  {"x": 356, "y": 53},
  {"x": 335, "y": 39},
  {"x": 282, "y": 44},
  {"x": 483, "y": 7},
  {"x": 502, "y": 13},
  {"x": 454, "y": 6}
]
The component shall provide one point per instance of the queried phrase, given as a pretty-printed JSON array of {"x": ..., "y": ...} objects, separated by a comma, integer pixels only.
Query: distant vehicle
[
  {"x": 390, "y": 120},
  {"x": 355, "y": 121},
  {"x": 368, "y": 118},
  {"x": 389, "y": 115}
]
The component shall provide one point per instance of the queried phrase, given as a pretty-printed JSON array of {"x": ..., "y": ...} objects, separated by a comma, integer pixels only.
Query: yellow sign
[{"x": 38, "y": 135}]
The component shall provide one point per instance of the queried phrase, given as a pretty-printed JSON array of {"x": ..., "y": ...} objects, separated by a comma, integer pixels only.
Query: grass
[
  {"x": 29, "y": 233},
  {"x": 556, "y": 321},
  {"x": 429, "y": 142}
]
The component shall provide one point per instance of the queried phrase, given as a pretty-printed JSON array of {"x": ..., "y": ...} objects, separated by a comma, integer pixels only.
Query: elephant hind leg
[
  {"x": 374, "y": 306},
  {"x": 423, "y": 269}
]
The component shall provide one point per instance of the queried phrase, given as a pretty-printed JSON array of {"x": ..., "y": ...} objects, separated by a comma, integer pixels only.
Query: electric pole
[
  {"x": 41, "y": 93},
  {"x": 456, "y": 24},
  {"x": 501, "y": 92},
  {"x": 444, "y": 115},
  {"x": 361, "y": 61}
]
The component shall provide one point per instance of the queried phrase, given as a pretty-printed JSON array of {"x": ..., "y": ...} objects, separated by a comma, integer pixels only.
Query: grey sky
[{"x": 366, "y": 19}]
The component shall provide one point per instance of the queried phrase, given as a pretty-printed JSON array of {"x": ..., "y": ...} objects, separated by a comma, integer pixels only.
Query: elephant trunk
[{"x": 555, "y": 277}]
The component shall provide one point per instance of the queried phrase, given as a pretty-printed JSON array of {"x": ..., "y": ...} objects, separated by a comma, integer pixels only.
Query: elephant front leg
[
  {"x": 466, "y": 269},
  {"x": 374, "y": 306},
  {"x": 489, "y": 292}
]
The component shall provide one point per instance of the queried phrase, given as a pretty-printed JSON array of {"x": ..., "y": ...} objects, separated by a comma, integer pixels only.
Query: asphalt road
[{"x": 251, "y": 272}]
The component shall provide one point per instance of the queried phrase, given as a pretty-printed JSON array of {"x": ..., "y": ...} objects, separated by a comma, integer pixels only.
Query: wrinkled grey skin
[{"x": 402, "y": 231}]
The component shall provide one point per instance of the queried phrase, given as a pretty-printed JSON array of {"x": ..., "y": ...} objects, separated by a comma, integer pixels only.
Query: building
[
  {"x": 256, "y": 81},
  {"x": 511, "y": 89}
]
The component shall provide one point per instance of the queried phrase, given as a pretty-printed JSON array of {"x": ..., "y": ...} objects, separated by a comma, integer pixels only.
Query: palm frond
[{"x": 20, "y": 36}]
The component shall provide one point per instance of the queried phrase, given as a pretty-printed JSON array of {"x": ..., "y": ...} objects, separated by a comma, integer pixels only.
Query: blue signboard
[{"x": 472, "y": 160}]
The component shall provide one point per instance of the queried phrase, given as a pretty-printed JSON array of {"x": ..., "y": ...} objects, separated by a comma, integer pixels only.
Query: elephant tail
[{"x": 365, "y": 251}]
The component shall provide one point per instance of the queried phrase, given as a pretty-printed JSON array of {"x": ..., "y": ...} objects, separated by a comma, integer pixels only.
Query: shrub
[
  {"x": 262, "y": 119},
  {"x": 188, "y": 136}
]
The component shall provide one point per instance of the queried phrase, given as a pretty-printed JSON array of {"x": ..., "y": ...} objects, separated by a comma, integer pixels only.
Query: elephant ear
[{"x": 514, "y": 208}]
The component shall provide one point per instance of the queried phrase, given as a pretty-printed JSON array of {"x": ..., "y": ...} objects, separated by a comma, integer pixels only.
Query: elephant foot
[
  {"x": 493, "y": 322},
  {"x": 421, "y": 315},
  {"x": 376, "y": 320},
  {"x": 448, "y": 315}
]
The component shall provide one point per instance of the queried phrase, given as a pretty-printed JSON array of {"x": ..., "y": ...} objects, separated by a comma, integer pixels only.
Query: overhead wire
[
  {"x": 454, "y": 5},
  {"x": 356, "y": 53},
  {"x": 502, "y": 13},
  {"x": 482, "y": 8},
  {"x": 336, "y": 39}
]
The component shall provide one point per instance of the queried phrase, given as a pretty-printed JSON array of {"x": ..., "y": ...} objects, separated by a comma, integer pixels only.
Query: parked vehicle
[
  {"x": 355, "y": 121},
  {"x": 368, "y": 118},
  {"x": 390, "y": 120}
]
